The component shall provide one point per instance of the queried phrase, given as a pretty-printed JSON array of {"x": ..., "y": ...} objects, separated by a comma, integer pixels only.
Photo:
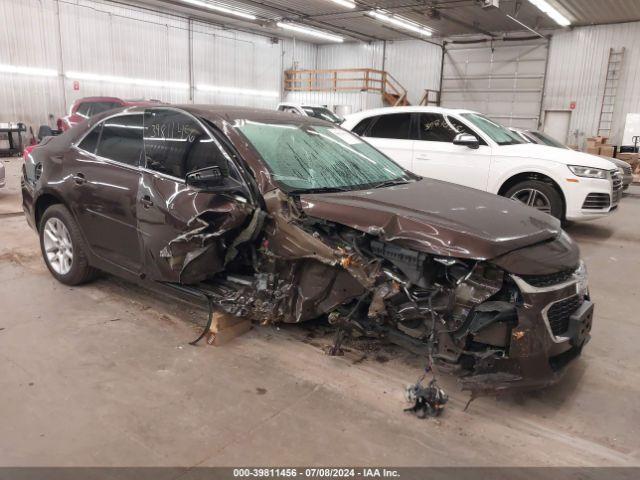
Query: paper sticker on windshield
[{"x": 346, "y": 137}]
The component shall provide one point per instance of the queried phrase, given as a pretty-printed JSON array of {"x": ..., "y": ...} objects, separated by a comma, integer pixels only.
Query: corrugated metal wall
[
  {"x": 111, "y": 39},
  {"x": 351, "y": 55},
  {"x": 27, "y": 38},
  {"x": 416, "y": 65},
  {"x": 577, "y": 70},
  {"x": 106, "y": 38}
]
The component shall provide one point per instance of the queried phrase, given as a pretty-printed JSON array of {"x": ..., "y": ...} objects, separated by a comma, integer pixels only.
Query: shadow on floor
[{"x": 589, "y": 231}]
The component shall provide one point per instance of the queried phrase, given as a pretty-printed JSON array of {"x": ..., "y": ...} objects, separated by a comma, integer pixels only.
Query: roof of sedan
[{"x": 228, "y": 113}]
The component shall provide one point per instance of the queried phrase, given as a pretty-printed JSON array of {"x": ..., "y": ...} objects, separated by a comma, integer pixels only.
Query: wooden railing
[
  {"x": 430, "y": 97},
  {"x": 347, "y": 80}
]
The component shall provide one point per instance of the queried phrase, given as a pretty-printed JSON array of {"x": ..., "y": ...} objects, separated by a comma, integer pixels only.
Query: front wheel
[
  {"x": 539, "y": 195},
  {"x": 63, "y": 247}
]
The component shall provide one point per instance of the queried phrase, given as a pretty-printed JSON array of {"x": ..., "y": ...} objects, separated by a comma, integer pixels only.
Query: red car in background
[{"x": 86, "y": 107}]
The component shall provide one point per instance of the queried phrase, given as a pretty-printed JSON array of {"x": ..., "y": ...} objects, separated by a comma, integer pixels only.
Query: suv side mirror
[
  {"x": 467, "y": 140},
  {"x": 206, "y": 177}
]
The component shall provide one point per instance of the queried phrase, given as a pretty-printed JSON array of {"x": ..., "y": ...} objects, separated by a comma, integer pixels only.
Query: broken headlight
[{"x": 583, "y": 280}]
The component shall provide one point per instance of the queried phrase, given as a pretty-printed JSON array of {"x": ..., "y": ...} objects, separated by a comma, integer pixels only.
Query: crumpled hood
[
  {"x": 554, "y": 154},
  {"x": 437, "y": 217}
]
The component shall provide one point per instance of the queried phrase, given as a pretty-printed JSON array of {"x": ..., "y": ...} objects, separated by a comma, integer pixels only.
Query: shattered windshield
[
  {"x": 322, "y": 113},
  {"x": 320, "y": 158},
  {"x": 498, "y": 133}
]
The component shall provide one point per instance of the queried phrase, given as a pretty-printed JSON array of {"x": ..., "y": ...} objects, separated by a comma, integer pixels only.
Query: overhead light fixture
[
  {"x": 40, "y": 72},
  {"x": 310, "y": 31},
  {"x": 555, "y": 15},
  {"x": 221, "y": 8},
  {"x": 400, "y": 22},
  {"x": 125, "y": 80},
  {"x": 237, "y": 91},
  {"x": 345, "y": 3}
]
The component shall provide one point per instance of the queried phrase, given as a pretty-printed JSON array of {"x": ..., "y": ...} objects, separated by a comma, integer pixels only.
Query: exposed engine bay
[{"x": 289, "y": 267}]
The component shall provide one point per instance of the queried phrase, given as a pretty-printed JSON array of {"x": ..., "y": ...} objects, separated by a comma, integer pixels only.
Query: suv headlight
[
  {"x": 588, "y": 172},
  {"x": 583, "y": 280}
]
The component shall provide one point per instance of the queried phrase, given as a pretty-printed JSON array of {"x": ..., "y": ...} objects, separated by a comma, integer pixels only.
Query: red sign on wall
[
  {"x": 76, "y": 85},
  {"x": 573, "y": 105}
]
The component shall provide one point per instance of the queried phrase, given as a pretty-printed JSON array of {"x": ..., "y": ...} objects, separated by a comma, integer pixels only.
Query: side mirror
[
  {"x": 467, "y": 140},
  {"x": 206, "y": 177}
]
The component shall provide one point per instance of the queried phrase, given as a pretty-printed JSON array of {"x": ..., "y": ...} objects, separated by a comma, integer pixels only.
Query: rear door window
[
  {"x": 176, "y": 144},
  {"x": 90, "y": 141},
  {"x": 395, "y": 125},
  {"x": 362, "y": 127},
  {"x": 121, "y": 139}
]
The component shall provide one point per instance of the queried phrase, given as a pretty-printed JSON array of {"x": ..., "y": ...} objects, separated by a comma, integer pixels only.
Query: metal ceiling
[{"x": 445, "y": 17}]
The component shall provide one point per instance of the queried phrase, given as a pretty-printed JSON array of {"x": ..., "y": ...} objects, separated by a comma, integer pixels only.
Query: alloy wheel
[
  {"x": 533, "y": 198},
  {"x": 58, "y": 246}
]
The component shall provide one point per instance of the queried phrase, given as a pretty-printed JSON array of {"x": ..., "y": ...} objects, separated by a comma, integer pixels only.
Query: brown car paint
[{"x": 149, "y": 227}]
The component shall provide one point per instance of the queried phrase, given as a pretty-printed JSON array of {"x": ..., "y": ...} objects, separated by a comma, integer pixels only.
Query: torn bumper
[{"x": 554, "y": 324}]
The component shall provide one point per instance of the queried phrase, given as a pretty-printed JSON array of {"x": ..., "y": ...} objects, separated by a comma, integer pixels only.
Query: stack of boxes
[
  {"x": 632, "y": 159},
  {"x": 599, "y": 146}
]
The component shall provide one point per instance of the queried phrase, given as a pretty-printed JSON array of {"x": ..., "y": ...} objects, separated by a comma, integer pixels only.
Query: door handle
[
  {"x": 422, "y": 157},
  {"x": 146, "y": 201},
  {"x": 79, "y": 179}
]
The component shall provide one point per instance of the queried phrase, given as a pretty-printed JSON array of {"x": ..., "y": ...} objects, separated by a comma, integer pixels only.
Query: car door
[
  {"x": 436, "y": 156},
  {"x": 393, "y": 134},
  {"x": 185, "y": 231},
  {"x": 105, "y": 175}
]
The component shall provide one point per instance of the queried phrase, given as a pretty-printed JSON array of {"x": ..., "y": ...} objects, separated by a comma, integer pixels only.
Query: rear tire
[
  {"x": 539, "y": 195},
  {"x": 63, "y": 248}
]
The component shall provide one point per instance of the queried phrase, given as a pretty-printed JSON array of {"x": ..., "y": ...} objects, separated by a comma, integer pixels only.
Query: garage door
[{"x": 504, "y": 80}]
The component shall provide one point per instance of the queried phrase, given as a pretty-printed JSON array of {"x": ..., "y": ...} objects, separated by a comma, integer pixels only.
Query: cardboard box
[
  {"x": 593, "y": 142},
  {"x": 593, "y": 150},
  {"x": 574, "y": 147},
  {"x": 632, "y": 159},
  {"x": 607, "y": 150}
]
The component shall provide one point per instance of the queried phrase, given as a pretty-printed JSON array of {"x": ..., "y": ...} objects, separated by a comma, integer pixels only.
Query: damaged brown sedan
[{"x": 282, "y": 218}]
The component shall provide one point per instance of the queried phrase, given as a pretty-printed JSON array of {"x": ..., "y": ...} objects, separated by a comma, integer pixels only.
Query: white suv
[
  {"x": 316, "y": 111},
  {"x": 467, "y": 148}
]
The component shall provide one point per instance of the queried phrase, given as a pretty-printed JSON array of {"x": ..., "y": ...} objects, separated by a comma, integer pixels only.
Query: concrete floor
[{"x": 103, "y": 375}]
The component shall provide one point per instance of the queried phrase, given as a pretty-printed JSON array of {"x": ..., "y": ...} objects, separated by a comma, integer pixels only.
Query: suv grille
[
  {"x": 549, "y": 280},
  {"x": 597, "y": 201},
  {"x": 617, "y": 186},
  {"x": 560, "y": 312}
]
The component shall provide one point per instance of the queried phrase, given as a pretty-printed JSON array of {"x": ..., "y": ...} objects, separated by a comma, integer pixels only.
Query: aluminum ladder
[{"x": 614, "y": 68}]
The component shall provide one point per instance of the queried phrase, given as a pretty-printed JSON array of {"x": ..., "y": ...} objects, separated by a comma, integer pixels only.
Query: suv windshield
[
  {"x": 546, "y": 139},
  {"x": 307, "y": 158},
  {"x": 499, "y": 134},
  {"x": 322, "y": 113}
]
